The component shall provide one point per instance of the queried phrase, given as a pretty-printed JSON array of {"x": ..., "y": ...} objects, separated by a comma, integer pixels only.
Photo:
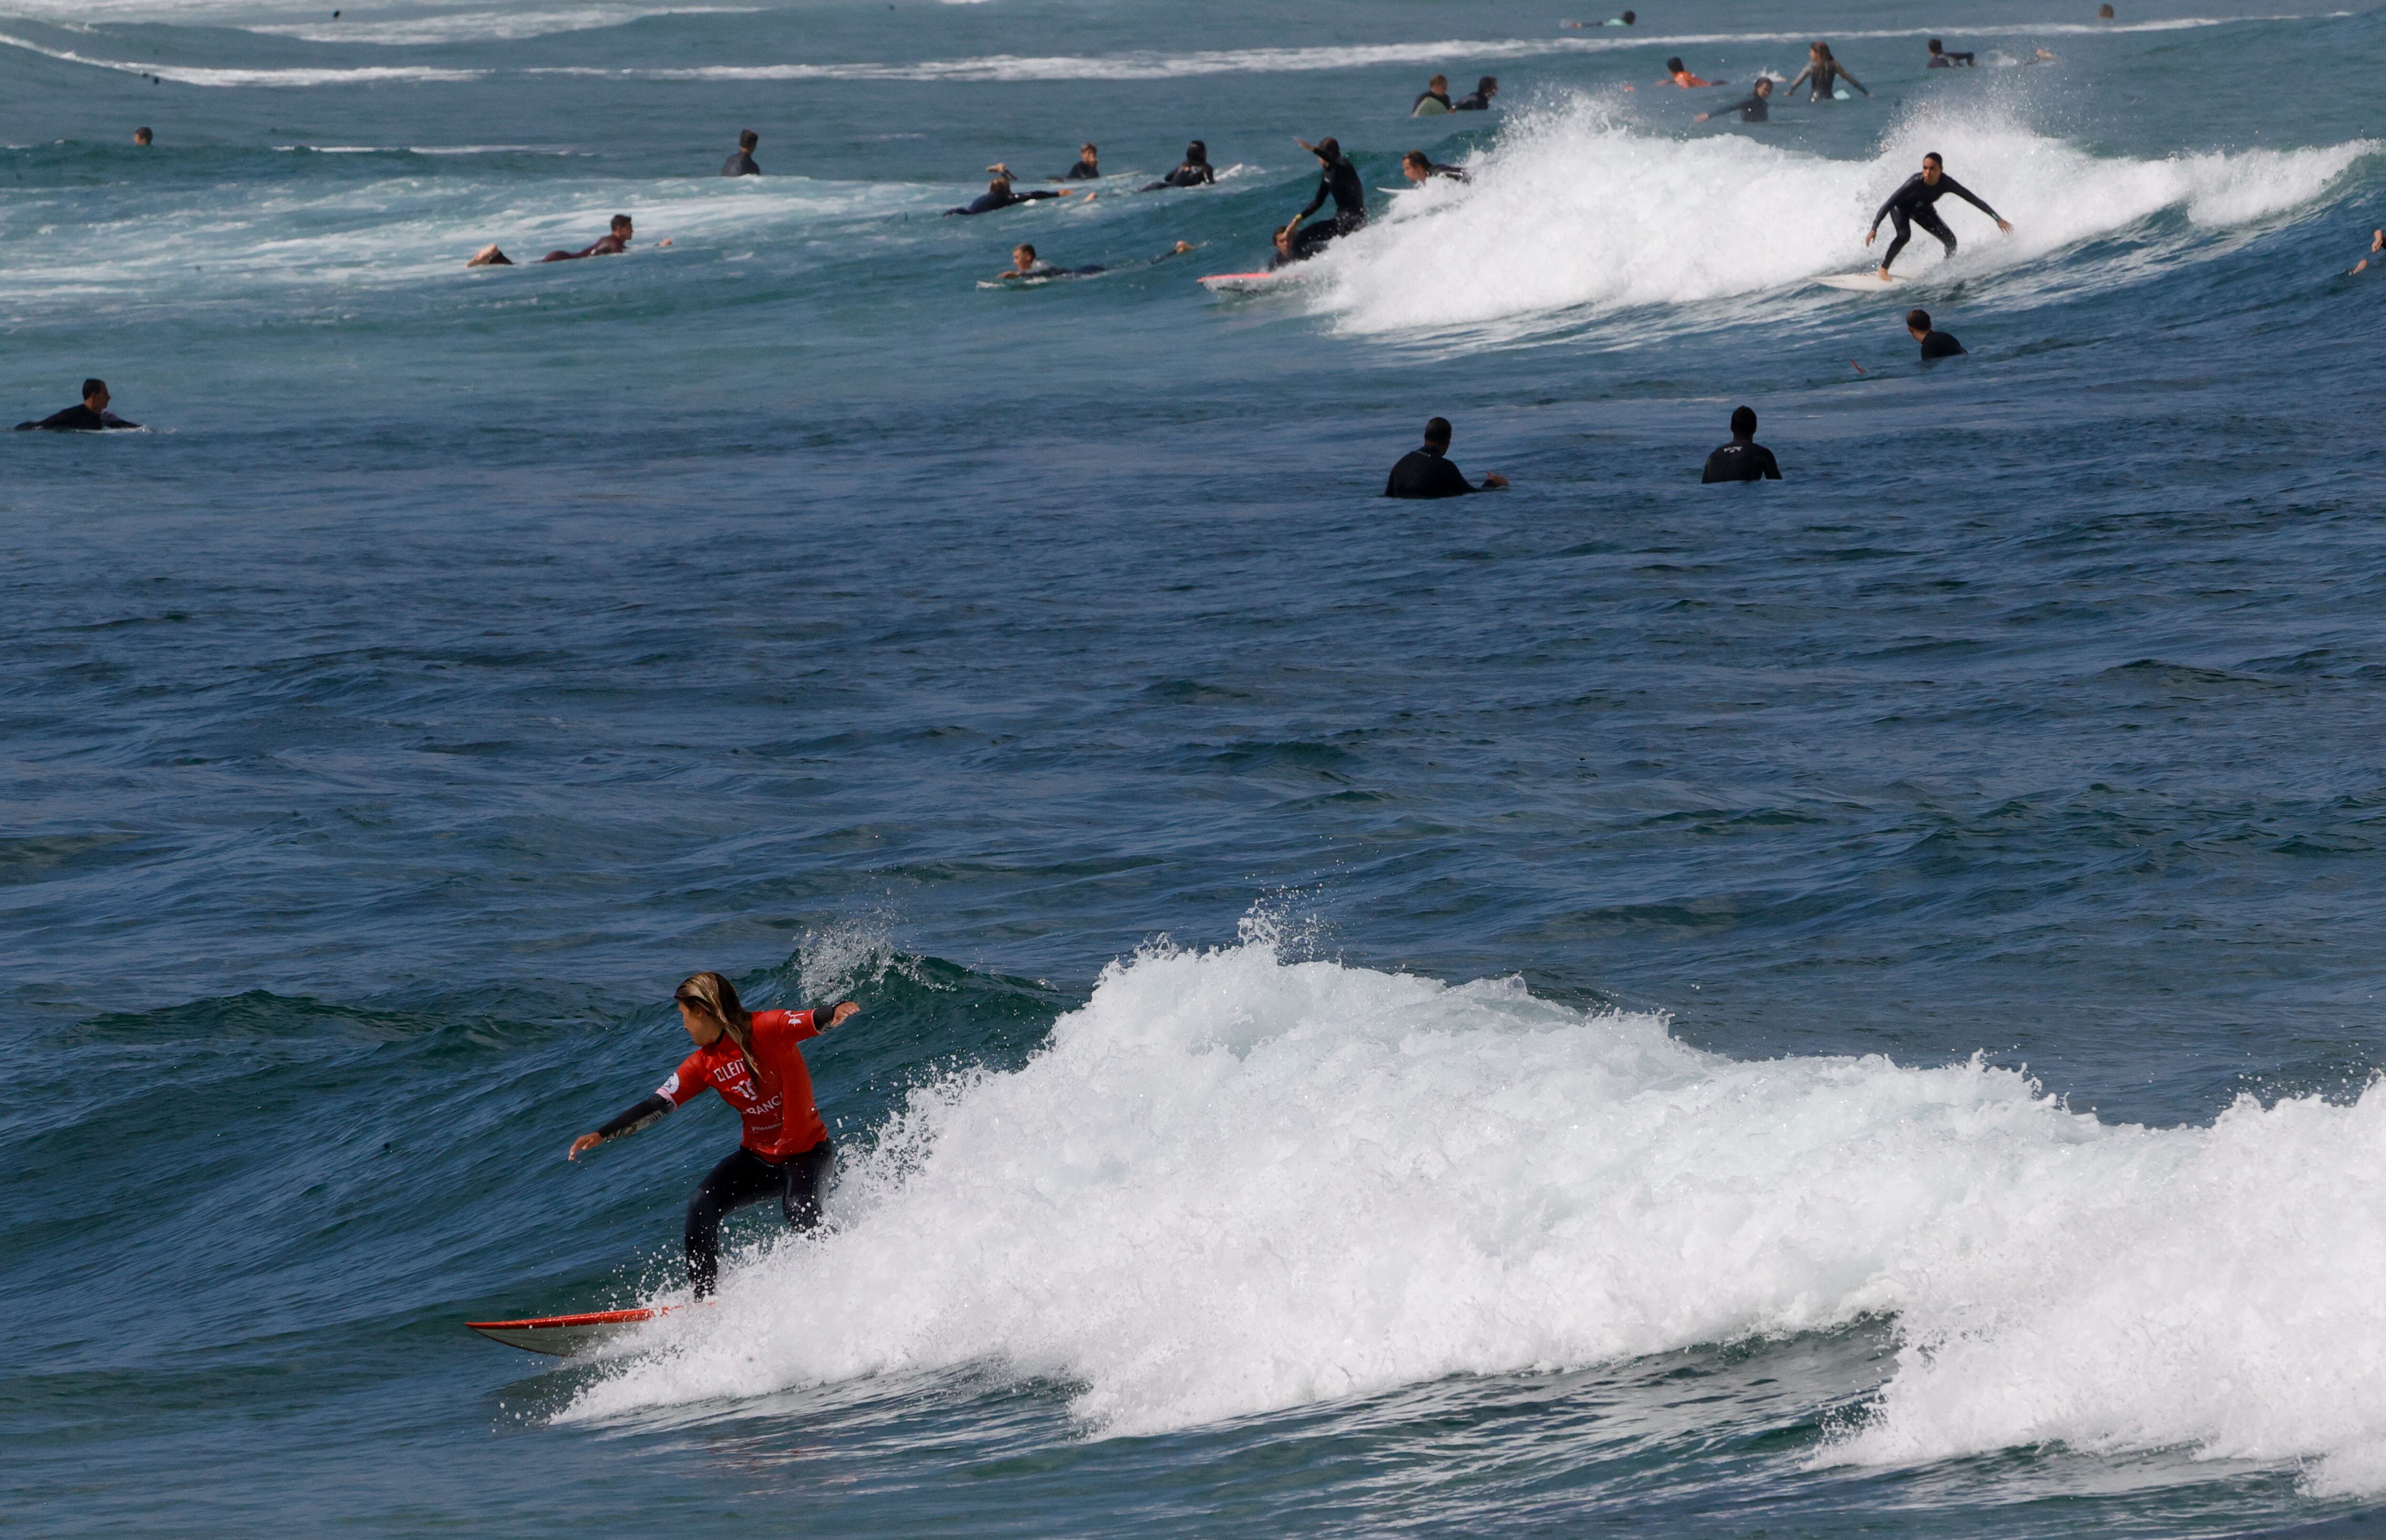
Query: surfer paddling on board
[
  {"x": 1911, "y": 205},
  {"x": 1339, "y": 180},
  {"x": 751, "y": 1060}
]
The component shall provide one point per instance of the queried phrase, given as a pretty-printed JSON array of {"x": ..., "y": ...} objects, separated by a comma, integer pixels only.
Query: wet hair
[
  {"x": 1417, "y": 157},
  {"x": 1488, "y": 82},
  {"x": 1935, "y": 45},
  {"x": 141, "y": 135},
  {"x": 1820, "y": 50},
  {"x": 713, "y": 996},
  {"x": 1438, "y": 431},
  {"x": 621, "y": 220},
  {"x": 1197, "y": 152},
  {"x": 1917, "y": 321},
  {"x": 93, "y": 387},
  {"x": 1673, "y": 67},
  {"x": 2103, "y": 13},
  {"x": 1439, "y": 83},
  {"x": 1763, "y": 83},
  {"x": 1933, "y": 155},
  {"x": 1087, "y": 149},
  {"x": 748, "y": 139},
  {"x": 1330, "y": 147},
  {"x": 1743, "y": 421},
  {"x": 1627, "y": 18},
  {"x": 1025, "y": 247}
]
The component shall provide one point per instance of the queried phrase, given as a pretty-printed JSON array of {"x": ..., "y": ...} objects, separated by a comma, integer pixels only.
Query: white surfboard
[
  {"x": 1244, "y": 282},
  {"x": 564, "y": 1334},
  {"x": 1867, "y": 282}
]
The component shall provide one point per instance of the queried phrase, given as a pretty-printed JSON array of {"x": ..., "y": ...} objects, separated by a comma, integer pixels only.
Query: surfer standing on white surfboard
[
  {"x": 1911, "y": 205},
  {"x": 751, "y": 1060}
]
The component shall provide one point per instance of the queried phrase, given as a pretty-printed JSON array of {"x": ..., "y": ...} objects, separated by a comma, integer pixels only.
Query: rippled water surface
[{"x": 1841, "y": 1004}]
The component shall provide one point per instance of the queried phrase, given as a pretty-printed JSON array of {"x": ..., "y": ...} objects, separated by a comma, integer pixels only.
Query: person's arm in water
[
  {"x": 647, "y": 1109},
  {"x": 1800, "y": 80},
  {"x": 1968, "y": 197},
  {"x": 1753, "y": 99}
]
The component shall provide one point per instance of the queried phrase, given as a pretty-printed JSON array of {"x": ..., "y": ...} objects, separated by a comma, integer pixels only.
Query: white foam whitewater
[
  {"x": 1233, "y": 1184},
  {"x": 1579, "y": 208}
]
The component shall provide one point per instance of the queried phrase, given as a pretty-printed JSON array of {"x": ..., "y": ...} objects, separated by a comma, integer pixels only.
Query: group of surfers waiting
[{"x": 1426, "y": 471}]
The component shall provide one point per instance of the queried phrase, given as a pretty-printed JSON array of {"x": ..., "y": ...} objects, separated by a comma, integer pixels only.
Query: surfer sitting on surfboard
[
  {"x": 1911, "y": 205},
  {"x": 751, "y": 1060}
]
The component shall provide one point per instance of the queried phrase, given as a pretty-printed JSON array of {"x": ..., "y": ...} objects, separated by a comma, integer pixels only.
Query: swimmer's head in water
[
  {"x": 1439, "y": 83},
  {"x": 1088, "y": 153},
  {"x": 1918, "y": 323},
  {"x": 1936, "y": 46},
  {"x": 1675, "y": 66},
  {"x": 1764, "y": 85},
  {"x": 1627, "y": 18},
  {"x": 2103, "y": 13},
  {"x": 1022, "y": 255},
  {"x": 1437, "y": 432},
  {"x": 1743, "y": 422},
  {"x": 622, "y": 226},
  {"x": 748, "y": 139},
  {"x": 141, "y": 136},
  {"x": 1197, "y": 152},
  {"x": 94, "y": 395},
  {"x": 1487, "y": 86},
  {"x": 1417, "y": 159},
  {"x": 1820, "y": 52}
]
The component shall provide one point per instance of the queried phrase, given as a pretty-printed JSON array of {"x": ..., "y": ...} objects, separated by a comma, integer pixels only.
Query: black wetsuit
[
  {"x": 740, "y": 165},
  {"x": 1193, "y": 173},
  {"x": 1913, "y": 202},
  {"x": 1825, "y": 77},
  {"x": 1081, "y": 171},
  {"x": 1742, "y": 461},
  {"x": 743, "y": 1178},
  {"x": 1944, "y": 60},
  {"x": 1753, "y": 108},
  {"x": 1340, "y": 182},
  {"x": 77, "y": 419},
  {"x": 1424, "y": 473},
  {"x": 1938, "y": 344},
  {"x": 986, "y": 203},
  {"x": 1472, "y": 102}
]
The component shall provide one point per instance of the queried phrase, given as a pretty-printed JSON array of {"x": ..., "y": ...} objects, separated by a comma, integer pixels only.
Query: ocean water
[{"x": 1847, "y": 1004}]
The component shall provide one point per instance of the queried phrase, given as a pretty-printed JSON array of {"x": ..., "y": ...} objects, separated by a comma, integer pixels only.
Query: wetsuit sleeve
[
  {"x": 1772, "y": 468},
  {"x": 1799, "y": 81},
  {"x": 1968, "y": 195},
  {"x": 1853, "y": 81},
  {"x": 685, "y": 1083},
  {"x": 634, "y": 1118},
  {"x": 1324, "y": 185}
]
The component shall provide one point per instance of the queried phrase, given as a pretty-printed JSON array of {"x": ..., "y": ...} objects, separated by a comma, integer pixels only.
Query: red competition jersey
[{"x": 780, "y": 1118}]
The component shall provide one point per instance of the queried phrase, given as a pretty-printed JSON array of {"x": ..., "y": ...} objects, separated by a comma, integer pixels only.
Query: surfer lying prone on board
[
  {"x": 1025, "y": 263},
  {"x": 1911, "y": 205},
  {"x": 751, "y": 1060},
  {"x": 998, "y": 194}
]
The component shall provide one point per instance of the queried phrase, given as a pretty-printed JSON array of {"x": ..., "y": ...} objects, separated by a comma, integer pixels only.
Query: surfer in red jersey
[{"x": 751, "y": 1060}]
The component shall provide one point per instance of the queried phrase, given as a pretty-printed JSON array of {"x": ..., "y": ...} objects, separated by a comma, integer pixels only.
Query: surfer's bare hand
[
  {"x": 2006, "y": 225},
  {"x": 582, "y": 1144},
  {"x": 1869, "y": 234},
  {"x": 1495, "y": 479},
  {"x": 840, "y": 1012}
]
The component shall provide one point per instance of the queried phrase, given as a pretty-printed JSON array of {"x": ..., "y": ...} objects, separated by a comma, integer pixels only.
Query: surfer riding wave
[{"x": 750, "y": 1058}]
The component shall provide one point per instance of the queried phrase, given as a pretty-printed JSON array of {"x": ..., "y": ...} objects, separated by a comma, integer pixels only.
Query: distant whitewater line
[
  {"x": 1140, "y": 64},
  {"x": 483, "y": 25}
]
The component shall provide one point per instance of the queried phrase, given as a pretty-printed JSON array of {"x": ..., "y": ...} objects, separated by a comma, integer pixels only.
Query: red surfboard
[{"x": 562, "y": 1335}]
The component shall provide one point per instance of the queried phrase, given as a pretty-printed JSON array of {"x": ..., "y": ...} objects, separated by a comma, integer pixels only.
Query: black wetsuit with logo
[
  {"x": 1742, "y": 461},
  {"x": 1911, "y": 205}
]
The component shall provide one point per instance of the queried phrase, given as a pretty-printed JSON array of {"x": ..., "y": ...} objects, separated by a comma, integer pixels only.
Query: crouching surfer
[{"x": 751, "y": 1060}]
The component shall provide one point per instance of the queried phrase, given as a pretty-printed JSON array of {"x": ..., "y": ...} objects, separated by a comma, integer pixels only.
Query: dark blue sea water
[{"x": 1839, "y": 1005}]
